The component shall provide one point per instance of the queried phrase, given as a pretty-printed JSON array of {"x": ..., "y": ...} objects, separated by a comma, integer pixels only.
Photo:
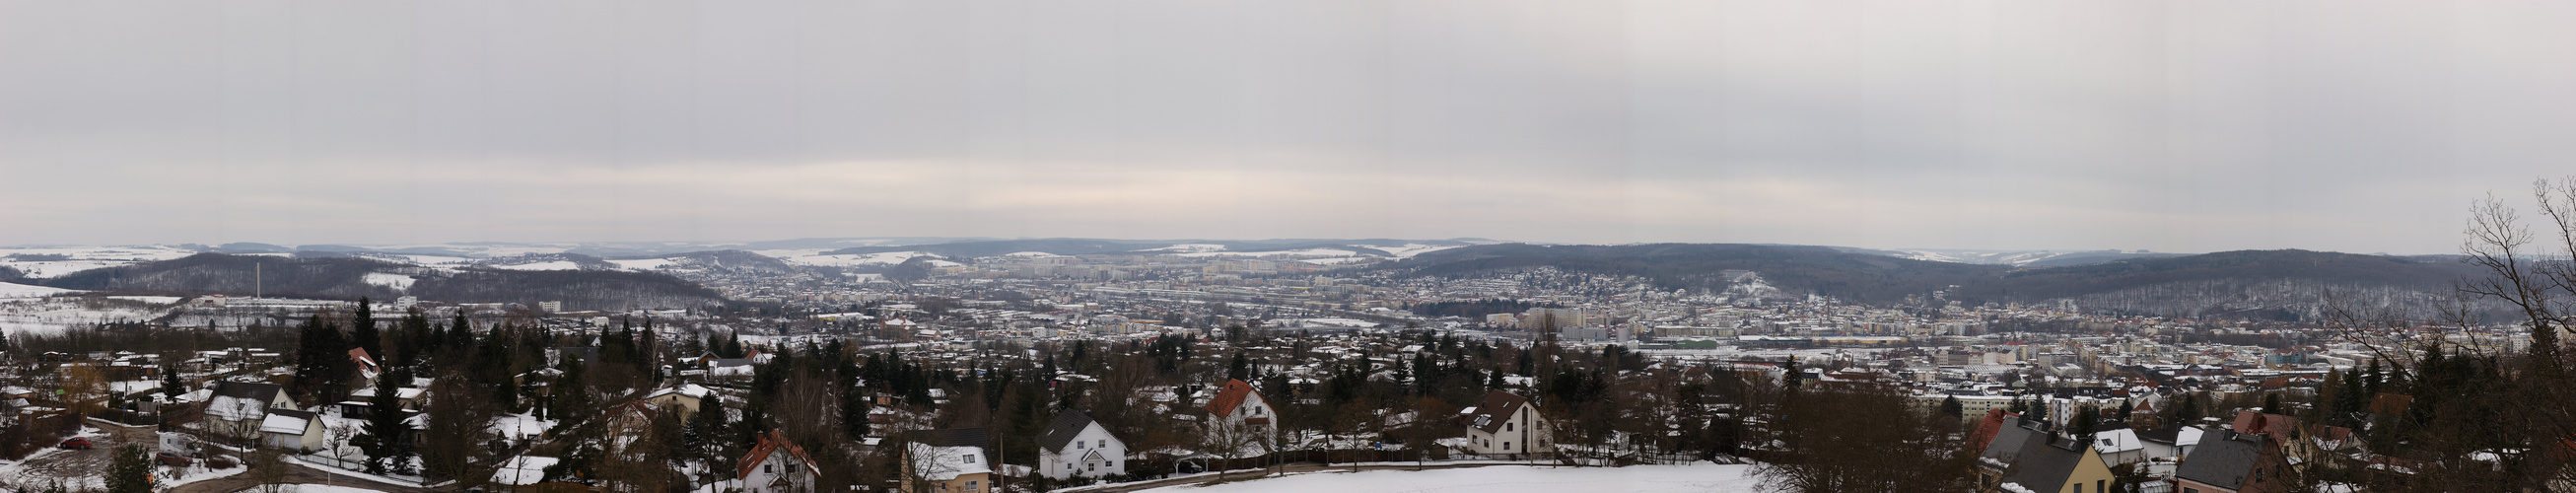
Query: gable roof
[
  {"x": 1230, "y": 397},
  {"x": 2031, "y": 457},
  {"x": 1068, "y": 424},
  {"x": 1497, "y": 408},
  {"x": 263, "y": 392},
  {"x": 1993, "y": 423},
  {"x": 287, "y": 421},
  {"x": 769, "y": 443},
  {"x": 2222, "y": 461},
  {"x": 952, "y": 437}
]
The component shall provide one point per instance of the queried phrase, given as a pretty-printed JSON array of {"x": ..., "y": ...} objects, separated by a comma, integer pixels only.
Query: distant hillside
[
  {"x": 347, "y": 278},
  {"x": 1856, "y": 277},
  {"x": 1089, "y": 246},
  {"x": 2277, "y": 284},
  {"x": 735, "y": 262}
]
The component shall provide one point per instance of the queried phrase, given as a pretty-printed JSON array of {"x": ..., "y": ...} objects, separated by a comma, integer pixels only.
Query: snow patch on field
[
  {"x": 396, "y": 281},
  {"x": 1411, "y": 249},
  {"x": 1188, "y": 248},
  {"x": 157, "y": 300},
  {"x": 1310, "y": 252},
  {"x": 14, "y": 290},
  {"x": 1696, "y": 478},
  {"x": 555, "y": 265}
]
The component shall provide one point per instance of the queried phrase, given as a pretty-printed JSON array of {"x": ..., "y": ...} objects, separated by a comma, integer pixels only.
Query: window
[
  {"x": 769, "y": 468},
  {"x": 970, "y": 486},
  {"x": 1507, "y": 445},
  {"x": 1507, "y": 427},
  {"x": 1104, "y": 444},
  {"x": 2079, "y": 487},
  {"x": 2097, "y": 487},
  {"x": 1077, "y": 445},
  {"x": 969, "y": 459},
  {"x": 2191, "y": 490}
]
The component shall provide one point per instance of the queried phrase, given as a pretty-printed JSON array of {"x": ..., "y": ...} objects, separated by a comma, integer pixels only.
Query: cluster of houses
[{"x": 2252, "y": 453}]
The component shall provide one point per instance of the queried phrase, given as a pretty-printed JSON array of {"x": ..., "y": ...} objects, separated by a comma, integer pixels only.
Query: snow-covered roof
[{"x": 282, "y": 423}]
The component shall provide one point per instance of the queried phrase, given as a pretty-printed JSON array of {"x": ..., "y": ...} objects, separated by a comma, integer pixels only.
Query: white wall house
[
  {"x": 1077, "y": 446},
  {"x": 1505, "y": 424},
  {"x": 776, "y": 466},
  {"x": 1239, "y": 404}
]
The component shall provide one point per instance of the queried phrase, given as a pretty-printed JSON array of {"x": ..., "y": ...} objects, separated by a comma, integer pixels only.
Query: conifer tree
[
  {"x": 363, "y": 334},
  {"x": 384, "y": 426}
]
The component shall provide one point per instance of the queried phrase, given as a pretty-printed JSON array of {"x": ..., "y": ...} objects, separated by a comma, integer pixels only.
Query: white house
[
  {"x": 1077, "y": 446},
  {"x": 2119, "y": 445},
  {"x": 292, "y": 430},
  {"x": 1239, "y": 404},
  {"x": 240, "y": 409},
  {"x": 777, "y": 466},
  {"x": 1505, "y": 423}
]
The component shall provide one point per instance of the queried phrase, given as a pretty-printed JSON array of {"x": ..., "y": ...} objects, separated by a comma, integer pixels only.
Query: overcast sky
[{"x": 2170, "y": 126}]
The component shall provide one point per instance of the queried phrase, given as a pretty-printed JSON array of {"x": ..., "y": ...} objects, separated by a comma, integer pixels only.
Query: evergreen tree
[
  {"x": 2086, "y": 420},
  {"x": 171, "y": 387},
  {"x": 1950, "y": 407},
  {"x": 130, "y": 471},
  {"x": 384, "y": 427},
  {"x": 2019, "y": 406},
  {"x": 362, "y": 331},
  {"x": 321, "y": 361},
  {"x": 2272, "y": 403}
]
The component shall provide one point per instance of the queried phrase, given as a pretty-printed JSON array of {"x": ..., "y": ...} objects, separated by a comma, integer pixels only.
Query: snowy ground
[
  {"x": 1709, "y": 478},
  {"x": 53, "y": 314},
  {"x": 315, "y": 488}
]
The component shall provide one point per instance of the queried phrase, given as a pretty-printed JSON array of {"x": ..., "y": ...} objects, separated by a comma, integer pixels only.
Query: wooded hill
[
  {"x": 2271, "y": 284},
  {"x": 347, "y": 278}
]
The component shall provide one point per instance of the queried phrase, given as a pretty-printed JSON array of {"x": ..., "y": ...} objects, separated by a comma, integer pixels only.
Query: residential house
[
  {"x": 2026, "y": 457},
  {"x": 1075, "y": 445},
  {"x": 1239, "y": 404},
  {"x": 2118, "y": 444},
  {"x": 947, "y": 461},
  {"x": 684, "y": 396},
  {"x": 292, "y": 430},
  {"x": 237, "y": 409},
  {"x": 1505, "y": 424},
  {"x": 2230, "y": 462},
  {"x": 776, "y": 465}
]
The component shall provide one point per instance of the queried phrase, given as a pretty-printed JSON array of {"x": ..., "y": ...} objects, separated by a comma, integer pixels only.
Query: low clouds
[{"x": 2174, "y": 126}]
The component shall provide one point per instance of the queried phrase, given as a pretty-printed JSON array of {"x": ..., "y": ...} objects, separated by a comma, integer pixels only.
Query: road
[
  {"x": 1301, "y": 467},
  {"x": 74, "y": 468},
  {"x": 295, "y": 474}
]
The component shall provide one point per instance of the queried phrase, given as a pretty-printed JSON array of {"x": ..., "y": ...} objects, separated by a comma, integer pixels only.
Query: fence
[{"x": 353, "y": 465}]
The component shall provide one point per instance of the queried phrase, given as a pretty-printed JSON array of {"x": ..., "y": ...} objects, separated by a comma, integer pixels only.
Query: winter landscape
[{"x": 1256, "y": 246}]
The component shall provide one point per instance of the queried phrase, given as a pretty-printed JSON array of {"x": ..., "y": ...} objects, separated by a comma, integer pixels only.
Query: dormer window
[{"x": 969, "y": 459}]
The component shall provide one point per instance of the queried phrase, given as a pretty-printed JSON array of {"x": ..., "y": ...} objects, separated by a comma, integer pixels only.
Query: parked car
[
  {"x": 172, "y": 458},
  {"x": 76, "y": 443}
]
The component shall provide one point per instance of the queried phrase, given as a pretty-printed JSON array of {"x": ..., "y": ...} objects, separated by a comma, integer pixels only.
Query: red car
[
  {"x": 171, "y": 458},
  {"x": 76, "y": 443}
]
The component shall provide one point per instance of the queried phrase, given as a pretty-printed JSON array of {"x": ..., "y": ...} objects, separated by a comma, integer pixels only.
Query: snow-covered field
[
  {"x": 315, "y": 488},
  {"x": 1697, "y": 478},
  {"x": 54, "y": 314},
  {"x": 55, "y": 262},
  {"x": 1310, "y": 252},
  {"x": 1409, "y": 250},
  {"x": 555, "y": 265},
  {"x": 13, "y": 290}
]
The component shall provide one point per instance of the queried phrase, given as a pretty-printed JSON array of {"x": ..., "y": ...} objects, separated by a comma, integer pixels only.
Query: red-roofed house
[
  {"x": 777, "y": 466},
  {"x": 1240, "y": 404}
]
